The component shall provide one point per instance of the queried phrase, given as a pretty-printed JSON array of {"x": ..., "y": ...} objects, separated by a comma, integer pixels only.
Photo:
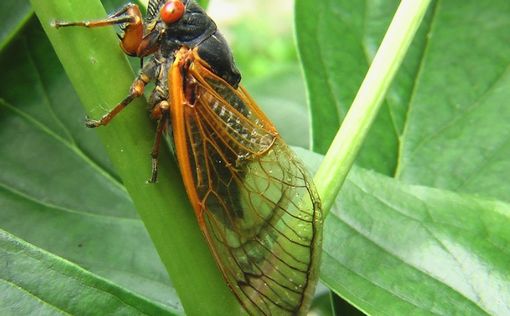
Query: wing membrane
[{"x": 254, "y": 201}]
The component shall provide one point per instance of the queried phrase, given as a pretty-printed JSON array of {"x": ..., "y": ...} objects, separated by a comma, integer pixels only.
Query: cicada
[{"x": 254, "y": 201}]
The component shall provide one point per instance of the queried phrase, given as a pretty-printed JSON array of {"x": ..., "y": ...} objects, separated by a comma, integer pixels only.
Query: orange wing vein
[{"x": 254, "y": 201}]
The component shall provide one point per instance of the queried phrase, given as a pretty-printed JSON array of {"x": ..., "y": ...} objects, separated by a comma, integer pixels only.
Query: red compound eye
[{"x": 172, "y": 11}]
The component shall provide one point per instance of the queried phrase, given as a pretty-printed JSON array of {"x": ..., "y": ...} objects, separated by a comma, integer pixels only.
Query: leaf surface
[
  {"x": 33, "y": 281},
  {"x": 444, "y": 121},
  {"x": 456, "y": 135},
  {"x": 393, "y": 248},
  {"x": 58, "y": 190},
  {"x": 13, "y": 15}
]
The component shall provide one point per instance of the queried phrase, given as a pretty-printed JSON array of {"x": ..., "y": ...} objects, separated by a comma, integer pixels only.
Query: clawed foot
[
  {"x": 92, "y": 123},
  {"x": 153, "y": 179},
  {"x": 154, "y": 176}
]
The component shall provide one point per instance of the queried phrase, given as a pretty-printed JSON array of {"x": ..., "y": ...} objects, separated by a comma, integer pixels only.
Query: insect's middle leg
[
  {"x": 162, "y": 113},
  {"x": 146, "y": 75}
]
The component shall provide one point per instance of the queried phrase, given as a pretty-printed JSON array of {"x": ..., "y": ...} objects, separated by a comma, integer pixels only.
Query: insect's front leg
[
  {"x": 126, "y": 14},
  {"x": 128, "y": 17},
  {"x": 146, "y": 75}
]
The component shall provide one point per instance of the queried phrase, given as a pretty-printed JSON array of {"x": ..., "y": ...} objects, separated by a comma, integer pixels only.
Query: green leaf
[
  {"x": 444, "y": 120},
  {"x": 337, "y": 42},
  {"x": 392, "y": 248},
  {"x": 33, "y": 281},
  {"x": 456, "y": 134},
  {"x": 13, "y": 15},
  {"x": 352, "y": 134},
  {"x": 57, "y": 181}
]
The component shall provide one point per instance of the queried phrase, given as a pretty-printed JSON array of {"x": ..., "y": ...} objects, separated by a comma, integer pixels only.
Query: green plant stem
[
  {"x": 344, "y": 149},
  {"x": 101, "y": 75}
]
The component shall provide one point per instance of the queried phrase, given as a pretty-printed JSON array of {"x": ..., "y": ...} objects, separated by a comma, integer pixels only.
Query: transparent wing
[{"x": 254, "y": 201}]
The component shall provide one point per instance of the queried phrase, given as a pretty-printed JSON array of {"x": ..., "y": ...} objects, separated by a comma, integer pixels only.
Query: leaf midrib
[
  {"x": 71, "y": 146},
  {"x": 22, "y": 22},
  {"x": 58, "y": 208},
  {"x": 402, "y": 138}
]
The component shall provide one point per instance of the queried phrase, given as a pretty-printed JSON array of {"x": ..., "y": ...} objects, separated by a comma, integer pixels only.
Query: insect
[{"x": 254, "y": 201}]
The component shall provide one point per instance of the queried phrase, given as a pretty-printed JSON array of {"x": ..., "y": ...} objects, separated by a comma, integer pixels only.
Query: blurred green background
[
  {"x": 262, "y": 39},
  {"x": 264, "y": 49}
]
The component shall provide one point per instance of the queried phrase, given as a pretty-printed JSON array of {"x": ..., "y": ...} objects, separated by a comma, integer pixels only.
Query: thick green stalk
[
  {"x": 101, "y": 76},
  {"x": 342, "y": 152}
]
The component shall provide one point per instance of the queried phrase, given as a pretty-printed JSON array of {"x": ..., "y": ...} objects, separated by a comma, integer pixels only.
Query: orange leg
[
  {"x": 125, "y": 15},
  {"x": 160, "y": 111},
  {"x": 136, "y": 90},
  {"x": 130, "y": 19}
]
